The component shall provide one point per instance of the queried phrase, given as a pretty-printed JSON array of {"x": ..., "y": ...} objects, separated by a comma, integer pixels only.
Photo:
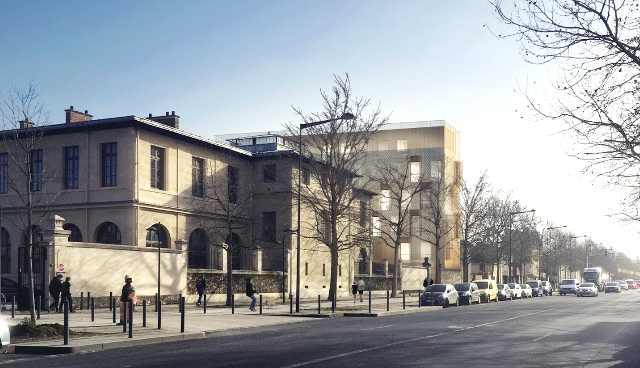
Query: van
[
  {"x": 569, "y": 286},
  {"x": 488, "y": 289}
]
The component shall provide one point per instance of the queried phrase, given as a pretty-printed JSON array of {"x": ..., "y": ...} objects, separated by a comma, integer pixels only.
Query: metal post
[
  {"x": 432, "y": 298},
  {"x": 179, "y": 303},
  {"x": 205, "y": 303},
  {"x": 182, "y": 314},
  {"x": 144, "y": 313},
  {"x": 319, "y": 304},
  {"x": 233, "y": 303},
  {"x": 157, "y": 302},
  {"x": 81, "y": 299},
  {"x": 110, "y": 297},
  {"x": 419, "y": 300},
  {"x": 113, "y": 302},
  {"x": 124, "y": 321},
  {"x": 66, "y": 321},
  {"x": 403, "y": 300},
  {"x": 159, "y": 315},
  {"x": 130, "y": 319},
  {"x": 260, "y": 303},
  {"x": 283, "y": 267},
  {"x": 387, "y": 300},
  {"x": 290, "y": 304},
  {"x": 13, "y": 307},
  {"x": 88, "y": 298},
  {"x": 39, "y": 302},
  {"x": 93, "y": 303},
  {"x": 369, "y": 301}
]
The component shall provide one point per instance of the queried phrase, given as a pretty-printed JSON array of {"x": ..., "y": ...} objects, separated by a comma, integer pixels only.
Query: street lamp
[
  {"x": 151, "y": 229},
  {"x": 345, "y": 116},
  {"x": 541, "y": 244},
  {"x": 570, "y": 257},
  {"x": 511, "y": 214},
  {"x": 284, "y": 260}
]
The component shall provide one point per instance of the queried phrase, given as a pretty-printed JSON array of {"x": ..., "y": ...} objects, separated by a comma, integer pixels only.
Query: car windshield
[
  {"x": 500, "y": 287},
  {"x": 567, "y": 282},
  {"x": 524, "y": 286},
  {"x": 612, "y": 284},
  {"x": 533, "y": 284},
  {"x": 512, "y": 285},
  {"x": 587, "y": 285},
  {"x": 462, "y": 287},
  {"x": 630, "y": 282},
  {"x": 438, "y": 288},
  {"x": 482, "y": 285}
]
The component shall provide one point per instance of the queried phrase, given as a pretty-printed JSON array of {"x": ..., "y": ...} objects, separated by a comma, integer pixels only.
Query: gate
[{"x": 39, "y": 282}]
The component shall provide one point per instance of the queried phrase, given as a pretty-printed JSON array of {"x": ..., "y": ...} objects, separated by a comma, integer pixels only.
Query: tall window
[
  {"x": 108, "y": 233},
  {"x": 36, "y": 170},
  {"x": 157, "y": 167},
  {"x": 415, "y": 169},
  {"x": 232, "y": 184},
  {"x": 269, "y": 173},
  {"x": 197, "y": 177},
  {"x": 376, "y": 225},
  {"x": 405, "y": 252},
  {"x": 306, "y": 176},
  {"x": 385, "y": 199},
  {"x": 269, "y": 226},
  {"x": 4, "y": 172},
  {"x": 425, "y": 201},
  {"x": 5, "y": 251},
  {"x": 436, "y": 169},
  {"x": 71, "y": 167},
  {"x": 109, "y": 164},
  {"x": 401, "y": 145}
]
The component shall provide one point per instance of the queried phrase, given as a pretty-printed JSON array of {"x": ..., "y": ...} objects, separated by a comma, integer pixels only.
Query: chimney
[
  {"x": 74, "y": 116},
  {"x": 24, "y": 124},
  {"x": 172, "y": 120}
]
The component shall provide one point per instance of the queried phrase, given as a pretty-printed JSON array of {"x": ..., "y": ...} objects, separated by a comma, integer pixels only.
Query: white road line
[
  {"x": 373, "y": 328},
  {"x": 541, "y": 337},
  {"x": 309, "y": 362}
]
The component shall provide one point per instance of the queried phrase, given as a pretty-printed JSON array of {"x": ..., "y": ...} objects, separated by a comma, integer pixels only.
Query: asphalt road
[{"x": 557, "y": 331}]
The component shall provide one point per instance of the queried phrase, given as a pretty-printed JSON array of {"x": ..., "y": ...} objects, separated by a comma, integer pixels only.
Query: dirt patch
[{"x": 48, "y": 331}]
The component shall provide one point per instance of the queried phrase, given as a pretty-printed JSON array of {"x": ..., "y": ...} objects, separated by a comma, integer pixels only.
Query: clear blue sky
[{"x": 239, "y": 66}]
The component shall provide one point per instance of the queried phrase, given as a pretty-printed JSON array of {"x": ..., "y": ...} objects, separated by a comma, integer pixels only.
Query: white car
[
  {"x": 440, "y": 294},
  {"x": 587, "y": 289},
  {"x": 623, "y": 284},
  {"x": 516, "y": 290},
  {"x": 527, "y": 292}
]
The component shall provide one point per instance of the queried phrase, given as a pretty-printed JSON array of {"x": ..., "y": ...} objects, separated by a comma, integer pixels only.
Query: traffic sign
[{"x": 61, "y": 267}]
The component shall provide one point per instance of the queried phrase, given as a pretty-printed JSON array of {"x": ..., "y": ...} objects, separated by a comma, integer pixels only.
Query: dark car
[
  {"x": 440, "y": 294},
  {"x": 468, "y": 292},
  {"x": 9, "y": 288}
]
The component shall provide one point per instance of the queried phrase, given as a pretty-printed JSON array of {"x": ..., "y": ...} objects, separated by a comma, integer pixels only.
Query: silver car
[
  {"x": 468, "y": 292},
  {"x": 504, "y": 292},
  {"x": 516, "y": 290},
  {"x": 440, "y": 294},
  {"x": 587, "y": 289}
]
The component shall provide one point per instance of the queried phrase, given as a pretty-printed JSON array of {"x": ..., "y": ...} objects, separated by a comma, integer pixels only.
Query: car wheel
[{"x": 445, "y": 303}]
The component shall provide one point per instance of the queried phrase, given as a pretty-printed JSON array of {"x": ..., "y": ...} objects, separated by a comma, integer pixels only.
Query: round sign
[{"x": 61, "y": 267}]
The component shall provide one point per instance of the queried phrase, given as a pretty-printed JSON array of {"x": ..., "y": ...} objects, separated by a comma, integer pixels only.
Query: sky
[{"x": 241, "y": 66}]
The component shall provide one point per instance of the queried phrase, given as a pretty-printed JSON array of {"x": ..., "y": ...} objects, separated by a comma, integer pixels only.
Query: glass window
[
  {"x": 306, "y": 176},
  {"x": 4, "y": 172},
  {"x": 436, "y": 170},
  {"x": 108, "y": 234},
  {"x": 197, "y": 177},
  {"x": 71, "y": 167},
  {"x": 385, "y": 199},
  {"x": 76, "y": 235},
  {"x": 269, "y": 173},
  {"x": 376, "y": 225},
  {"x": 110, "y": 164},
  {"x": 269, "y": 226},
  {"x": 415, "y": 171},
  {"x": 401, "y": 145},
  {"x": 232, "y": 184},
  {"x": 157, "y": 237},
  {"x": 405, "y": 251},
  {"x": 157, "y": 167},
  {"x": 5, "y": 251},
  {"x": 36, "y": 170},
  {"x": 425, "y": 202}
]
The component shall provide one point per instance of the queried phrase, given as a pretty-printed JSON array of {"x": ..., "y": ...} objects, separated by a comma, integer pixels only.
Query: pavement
[{"x": 197, "y": 323}]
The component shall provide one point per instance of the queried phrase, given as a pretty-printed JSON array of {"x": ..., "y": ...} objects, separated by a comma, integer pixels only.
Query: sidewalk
[{"x": 197, "y": 323}]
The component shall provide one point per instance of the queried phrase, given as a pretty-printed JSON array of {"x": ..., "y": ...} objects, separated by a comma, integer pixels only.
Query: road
[{"x": 557, "y": 331}]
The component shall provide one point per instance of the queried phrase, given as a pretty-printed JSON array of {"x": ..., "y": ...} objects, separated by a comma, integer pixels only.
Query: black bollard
[
  {"x": 387, "y": 300},
  {"x": 144, "y": 313},
  {"x": 318, "y": 304},
  {"x": 204, "y": 307},
  {"x": 335, "y": 301},
  {"x": 369, "y": 301},
  {"x": 93, "y": 309},
  {"x": 124, "y": 321},
  {"x": 419, "y": 300},
  {"x": 66, "y": 321},
  {"x": 182, "y": 314},
  {"x": 81, "y": 299},
  {"x": 403, "y": 300},
  {"x": 38, "y": 302},
  {"x": 13, "y": 307},
  {"x": 88, "y": 299},
  {"x": 110, "y": 297},
  {"x": 432, "y": 298},
  {"x": 130, "y": 318},
  {"x": 156, "y": 309},
  {"x": 159, "y": 315},
  {"x": 233, "y": 304},
  {"x": 260, "y": 303},
  {"x": 179, "y": 303},
  {"x": 113, "y": 303},
  {"x": 290, "y": 304}
]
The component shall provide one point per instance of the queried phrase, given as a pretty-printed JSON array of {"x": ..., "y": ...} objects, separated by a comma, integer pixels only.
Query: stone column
[
  {"x": 257, "y": 259},
  {"x": 52, "y": 235},
  {"x": 385, "y": 265}
]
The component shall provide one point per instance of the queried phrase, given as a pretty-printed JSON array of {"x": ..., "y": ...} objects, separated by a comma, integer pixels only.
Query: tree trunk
[
  {"x": 438, "y": 265},
  {"x": 396, "y": 271},
  {"x": 334, "y": 273}
]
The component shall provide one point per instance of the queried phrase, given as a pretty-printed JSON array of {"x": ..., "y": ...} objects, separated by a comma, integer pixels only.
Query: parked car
[
  {"x": 569, "y": 286},
  {"x": 632, "y": 284},
  {"x": 468, "y": 292},
  {"x": 504, "y": 292},
  {"x": 536, "y": 287},
  {"x": 8, "y": 290},
  {"x": 5, "y": 335},
  {"x": 488, "y": 289},
  {"x": 526, "y": 291},
  {"x": 623, "y": 284},
  {"x": 587, "y": 289},
  {"x": 442, "y": 294},
  {"x": 546, "y": 287},
  {"x": 612, "y": 287},
  {"x": 516, "y": 290}
]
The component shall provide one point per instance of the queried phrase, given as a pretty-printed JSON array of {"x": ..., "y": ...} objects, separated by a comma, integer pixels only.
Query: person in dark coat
[
  {"x": 201, "y": 287},
  {"x": 251, "y": 291},
  {"x": 54, "y": 290},
  {"x": 128, "y": 295},
  {"x": 65, "y": 292}
]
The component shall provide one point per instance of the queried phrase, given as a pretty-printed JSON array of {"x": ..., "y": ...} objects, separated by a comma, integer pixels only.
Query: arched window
[
  {"x": 76, "y": 235},
  {"x": 157, "y": 237},
  {"x": 198, "y": 249},
  {"x": 5, "y": 251},
  {"x": 108, "y": 233},
  {"x": 362, "y": 262}
]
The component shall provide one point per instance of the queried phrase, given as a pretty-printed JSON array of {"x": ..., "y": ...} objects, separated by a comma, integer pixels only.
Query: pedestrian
[
  {"x": 128, "y": 295},
  {"x": 361, "y": 288},
  {"x": 431, "y": 282},
  {"x": 54, "y": 290},
  {"x": 251, "y": 291},
  {"x": 65, "y": 291},
  {"x": 201, "y": 287},
  {"x": 354, "y": 290},
  {"x": 425, "y": 283}
]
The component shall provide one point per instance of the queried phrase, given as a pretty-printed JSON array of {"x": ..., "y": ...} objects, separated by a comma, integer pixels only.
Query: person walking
[
  {"x": 54, "y": 290},
  {"x": 251, "y": 291},
  {"x": 201, "y": 287},
  {"x": 361, "y": 288},
  {"x": 354, "y": 290},
  {"x": 128, "y": 295},
  {"x": 65, "y": 291}
]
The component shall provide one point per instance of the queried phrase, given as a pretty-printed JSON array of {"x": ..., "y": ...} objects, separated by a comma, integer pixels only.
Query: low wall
[{"x": 413, "y": 277}]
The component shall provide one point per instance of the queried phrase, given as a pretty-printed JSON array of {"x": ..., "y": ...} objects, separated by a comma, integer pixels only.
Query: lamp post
[
  {"x": 345, "y": 116},
  {"x": 156, "y": 228},
  {"x": 570, "y": 256},
  {"x": 511, "y": 214},
  {"x": 541, "y": 244}
]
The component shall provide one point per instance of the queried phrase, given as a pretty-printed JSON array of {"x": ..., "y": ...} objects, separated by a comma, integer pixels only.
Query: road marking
[
  {"x": 373, "y": 328},
  {"x": 541, "y": 337},
  {"x": 359, "y": 351}
]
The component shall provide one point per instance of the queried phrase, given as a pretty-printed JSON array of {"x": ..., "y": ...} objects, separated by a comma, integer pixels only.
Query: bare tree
[
  {"x": 595, "y": 45},
  {"x": 474, "y": 210},
  {"x": 27, "y": 179},
  {"x": 334, "y": 152},
  {"x": 401, "y": 188}
]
